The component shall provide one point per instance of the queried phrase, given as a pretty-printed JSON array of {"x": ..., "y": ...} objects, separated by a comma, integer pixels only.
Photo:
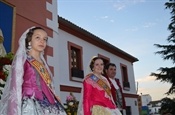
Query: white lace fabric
[{"x": 10, "y": 103}]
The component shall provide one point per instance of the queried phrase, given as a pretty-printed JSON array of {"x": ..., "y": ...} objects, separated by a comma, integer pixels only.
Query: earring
[{"x": 29, "y": 46}]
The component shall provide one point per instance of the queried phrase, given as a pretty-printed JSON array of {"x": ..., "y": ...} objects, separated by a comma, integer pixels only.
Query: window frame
[
  {"x": 79, "y": 68},
  {"x": 125, "y": 79}
]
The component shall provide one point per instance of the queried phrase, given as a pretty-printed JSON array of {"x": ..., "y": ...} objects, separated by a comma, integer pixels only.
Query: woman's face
[
  {"x": 98, "y": 66},
  {"x": 39, "y": 40}
]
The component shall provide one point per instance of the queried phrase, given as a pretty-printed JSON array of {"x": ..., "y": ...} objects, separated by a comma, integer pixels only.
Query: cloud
[
  {"x": 156, "y": 93},
  {"x": 148, "y": 25},
  {"x": 146, "y": 79},
  {"x": 137, "y": 1},
  {"x": 111, "y": 20},
  {"x": 134, "y": 29},
  {"x": 105, "y": 17},
  {"x": 121, "y": 4}
]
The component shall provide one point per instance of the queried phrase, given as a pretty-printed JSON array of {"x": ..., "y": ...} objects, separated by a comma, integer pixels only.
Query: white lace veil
[{"x": 10, "y": 103}]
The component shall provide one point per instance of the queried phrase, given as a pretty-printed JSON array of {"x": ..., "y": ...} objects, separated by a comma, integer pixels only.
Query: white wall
[
  {"x": 133, "y": 103},
  {"x": 52, "y": 42},
  {"x": 89, "y": 50},
  {"x": 146, "y": 99}
]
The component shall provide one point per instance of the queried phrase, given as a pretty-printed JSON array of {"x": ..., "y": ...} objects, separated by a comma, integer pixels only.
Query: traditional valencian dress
[
  {"x": 117, "y": 93},
  {"x": 37, "y": 88},
  {"x": 29, "y": 88},
  {"x": 97, "y": 98}
]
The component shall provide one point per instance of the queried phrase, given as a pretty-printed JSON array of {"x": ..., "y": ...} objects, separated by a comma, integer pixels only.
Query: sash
[
  {"x": 44, "y": 74},
  {"x": 101, "y": 83},
  {"x": 41, "y": 70}
]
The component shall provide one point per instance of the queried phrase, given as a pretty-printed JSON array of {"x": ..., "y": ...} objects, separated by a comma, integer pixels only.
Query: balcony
[
  {"x": 77, "y": 74},
  {"x": 126, "y": 85}
]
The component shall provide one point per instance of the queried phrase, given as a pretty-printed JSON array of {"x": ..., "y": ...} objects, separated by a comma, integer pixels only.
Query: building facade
[
  {"x": 154, "y": 107},
  {"x": 69, "y": 49},
  {"x": 77, "y": 48},
  {"x": 146, "y": 99}
]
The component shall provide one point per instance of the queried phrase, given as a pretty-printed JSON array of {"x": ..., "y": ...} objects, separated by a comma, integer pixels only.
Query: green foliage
[
  {"x": 71, "y": 105},
  {"x": 167, "y": 106},
  {"x": 9, "y": 55},
  {"x": 167, "y": 74}
]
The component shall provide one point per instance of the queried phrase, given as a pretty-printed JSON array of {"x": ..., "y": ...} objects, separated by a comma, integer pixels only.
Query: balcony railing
[
  {"x": 126, "y": 85},
  {"x": 77, "y": 73}
]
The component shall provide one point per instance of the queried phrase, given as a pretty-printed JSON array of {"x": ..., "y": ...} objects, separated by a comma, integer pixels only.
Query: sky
[{"x": 133, "y": 26}]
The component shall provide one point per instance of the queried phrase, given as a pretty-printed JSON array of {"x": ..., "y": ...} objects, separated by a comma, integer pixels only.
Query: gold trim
[
  {"x": 13, "y": 30},
  {"x": 42, "y": 71},
  {"x": 101, "y": 83}
]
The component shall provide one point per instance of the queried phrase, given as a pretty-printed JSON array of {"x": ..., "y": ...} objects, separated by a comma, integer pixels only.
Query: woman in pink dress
[
  {"x": 96, "y": 94},
  {"x": 29, "y": 89}
]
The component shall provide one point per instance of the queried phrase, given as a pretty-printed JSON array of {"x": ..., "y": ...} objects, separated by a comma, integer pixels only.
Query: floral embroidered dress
[
  {"x": 97, "y": 98},
  {"x": 37, "y": 86}
]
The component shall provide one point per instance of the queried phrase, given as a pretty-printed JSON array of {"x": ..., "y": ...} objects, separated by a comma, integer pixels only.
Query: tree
[
  {"x": 167, "y": 106},
  {"x": 167, "y": 74}
]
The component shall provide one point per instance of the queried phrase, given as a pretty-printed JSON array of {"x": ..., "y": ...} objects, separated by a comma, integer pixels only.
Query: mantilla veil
[
  {"x": 80, "y": 105},
  {"x": 11, "y": 101}
]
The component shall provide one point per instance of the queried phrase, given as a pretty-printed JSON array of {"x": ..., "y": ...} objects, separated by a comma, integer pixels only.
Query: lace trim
[
  {"x": 100, "y": 110},
  {"x": 95, "y": 85}
]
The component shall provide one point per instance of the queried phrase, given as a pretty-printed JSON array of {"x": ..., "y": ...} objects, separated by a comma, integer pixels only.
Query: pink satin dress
[
  {"x": 34, "y": 88},
  {"x": 31, "y": 86}
]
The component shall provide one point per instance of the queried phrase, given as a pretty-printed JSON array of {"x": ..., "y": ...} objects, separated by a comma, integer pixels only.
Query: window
[
  {"x": 75, "y": 62},
  {"x": 124, "y": 73},
  {"x": 74, "y": 57},
  {"x": 105, "y": 59},
  {"x": 128, "y": 110}
]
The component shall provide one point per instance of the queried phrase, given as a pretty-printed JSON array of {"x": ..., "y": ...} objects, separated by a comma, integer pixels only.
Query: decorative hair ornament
[{"x": 93, "y": 58}]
